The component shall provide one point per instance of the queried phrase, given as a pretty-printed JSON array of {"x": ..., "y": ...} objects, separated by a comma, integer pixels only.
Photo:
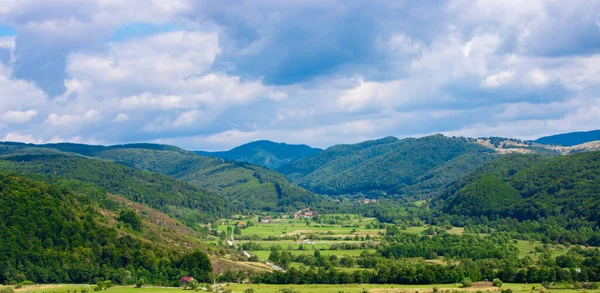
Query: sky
[{"x": 211, "y": 75}]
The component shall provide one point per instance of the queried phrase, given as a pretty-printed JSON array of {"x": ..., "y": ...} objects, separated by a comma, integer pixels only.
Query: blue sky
[{"x": 212, "y": 76}]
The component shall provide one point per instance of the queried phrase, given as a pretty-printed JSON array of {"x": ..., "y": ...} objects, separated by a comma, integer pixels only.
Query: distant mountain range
[
  {"x": 265, "y": 153},
  {"x": 570, "y": 139}
]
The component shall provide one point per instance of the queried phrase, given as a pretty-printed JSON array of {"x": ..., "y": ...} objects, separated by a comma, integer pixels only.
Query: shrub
[
  {"x": 19, "y": 286},
  {"x": 497, "y": 282},
  {"x": 140, "y": 283},
  {"x": 507, "y": 291},
  {"x": 7, "y": 290},
  {"x": 467, "y": 282},
  {"x": 435, "y": 289},
  {"x": 249, "y": 290},
  {"x": 193, "y": 284}
]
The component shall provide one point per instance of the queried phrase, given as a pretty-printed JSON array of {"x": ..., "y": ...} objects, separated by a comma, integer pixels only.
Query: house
[
  {"x": 241, "y": 224},
  {"x": 185, "y": 280},
  {"x": 305, "y": 213}
]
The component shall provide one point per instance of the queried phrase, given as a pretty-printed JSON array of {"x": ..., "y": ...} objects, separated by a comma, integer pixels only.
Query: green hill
[
  {"x": 163, "y": 193},
  {"x": 530, "y": 187},
  {"x": 53, "y": 234},
  {"x": 387, "y": 166},
  {"x": 247, "y": 186},
  {"x": 265, "y": 153}
]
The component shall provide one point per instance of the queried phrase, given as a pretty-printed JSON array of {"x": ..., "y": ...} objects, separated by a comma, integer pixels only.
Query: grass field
[{"x": 528, "y": 248}]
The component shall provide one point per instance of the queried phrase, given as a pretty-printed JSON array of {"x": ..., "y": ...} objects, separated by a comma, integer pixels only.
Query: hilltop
[{"x": 265, "y": 153}]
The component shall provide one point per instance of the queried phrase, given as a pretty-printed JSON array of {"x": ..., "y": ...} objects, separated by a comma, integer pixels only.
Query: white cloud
[
  {"x": 187, "y": 118},
  {"x": 20, "y": 137},
  {"x": 62, "y": 120},
  {"x": 151, "y": 101},
  {"x": 14, "y": 117},
  {"x": 538, "y": 77},
  {"x": 121, "y": 117},
  {"x": 499, "y": 79}
]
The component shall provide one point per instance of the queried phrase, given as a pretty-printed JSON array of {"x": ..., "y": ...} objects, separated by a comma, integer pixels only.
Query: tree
[
  {"x": 197, "y": 264},
  {"x": 140, "y": 283},
  {"x": 467, "y": 282},
  {"x": 131, "y": 218},
  {"x": 497, "y": 282},
  {"x": 237, "y": 230},
  {"x": 192, "y": 284}
]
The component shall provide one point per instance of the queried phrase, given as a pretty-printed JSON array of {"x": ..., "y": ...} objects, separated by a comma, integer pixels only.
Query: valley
[{"x": 388, "y": 215}]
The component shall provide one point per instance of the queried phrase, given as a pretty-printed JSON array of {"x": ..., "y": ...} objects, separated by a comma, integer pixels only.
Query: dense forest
[
  {"x": 51, "y": 234},
  {"x": 387, "y": 166}
]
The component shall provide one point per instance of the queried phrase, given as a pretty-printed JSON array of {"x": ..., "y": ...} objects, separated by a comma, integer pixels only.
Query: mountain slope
[
  {"x": 385, "y": 166},
  {"x": 570, "y": 139},
  {"x": 248, "y": 187},
  {"x": 177, "y": 198},
  {"x": 51, "y": 234},
  {"x": 265, "y": 153},
  {"x": 530, "y": 187}
]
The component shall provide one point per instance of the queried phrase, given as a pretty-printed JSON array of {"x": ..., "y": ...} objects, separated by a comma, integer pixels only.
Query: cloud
[
  {"x": 210, "y": 76},
  {"x": 121, "y": 117},
  {"x": 14, "y": 117},
  {"x": 500, "y": 78}
]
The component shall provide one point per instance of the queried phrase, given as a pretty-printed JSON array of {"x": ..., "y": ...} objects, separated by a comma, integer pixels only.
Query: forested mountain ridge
[
  {"x": 386, "y": 166},
  {"x": 52, "y": 234},
  {"x": 247, "y": 186},
  {"x": 530, "y": 187},
  {"x": 265, "y": 153},
  {"x": 571, "y": 138},
  {"x": 183, "y": 200}
]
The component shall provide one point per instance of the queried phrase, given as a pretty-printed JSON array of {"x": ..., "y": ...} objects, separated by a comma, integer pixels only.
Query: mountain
[
  {"x": 530, "y": 187},
  {"x": 265, "y": 153},
  {"x": 177, "y": 198},
  {"x": 570, "y": 139},
  {"x": 387, "y": 166},
  {"x": 53, "y": 234},
  {"x": 247, "y": 186}
]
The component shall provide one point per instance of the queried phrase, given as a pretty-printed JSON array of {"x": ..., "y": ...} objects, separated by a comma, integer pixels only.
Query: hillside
[
  {"x": 248, "y": 187},
  {"x": 386, "y": 166},
  {"x": 185, "y": 201},
  {"x": 265, "y": 153},
  {"x": 52, "y": 234},
  {"x": 530, "y": 187},
  {"x": 570, "y": 139}
]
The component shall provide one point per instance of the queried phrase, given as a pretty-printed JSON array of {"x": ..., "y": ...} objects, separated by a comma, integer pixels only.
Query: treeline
[
  {"x": 423, "y": 273},
  {"x": 50, "y": 234}
]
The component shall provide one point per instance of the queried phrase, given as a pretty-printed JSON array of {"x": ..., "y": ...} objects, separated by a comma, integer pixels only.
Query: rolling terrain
[
  {"x": 246, "y": 186},
  {"x": 265, "y": 153}
]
